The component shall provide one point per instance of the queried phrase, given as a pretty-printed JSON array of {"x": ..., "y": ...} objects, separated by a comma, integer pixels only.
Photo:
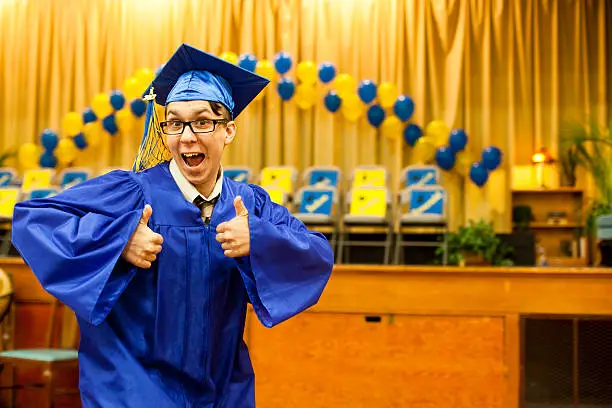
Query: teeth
[{"x": 191, "y": 154}]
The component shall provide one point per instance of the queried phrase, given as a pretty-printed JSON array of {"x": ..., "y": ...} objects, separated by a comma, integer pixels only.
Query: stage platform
[{"x": 394, "y": 336}]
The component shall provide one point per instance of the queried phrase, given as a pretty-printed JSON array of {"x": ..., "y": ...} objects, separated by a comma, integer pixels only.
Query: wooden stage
[{"x": 384, "y": 336}]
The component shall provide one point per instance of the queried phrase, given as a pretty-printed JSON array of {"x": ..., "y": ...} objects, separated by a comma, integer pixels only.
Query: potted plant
[
  {"x": 476, "y": 244},
  {"x": 588, "y": 147}
]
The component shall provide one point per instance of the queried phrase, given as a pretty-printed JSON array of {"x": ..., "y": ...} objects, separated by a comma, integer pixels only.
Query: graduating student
[{"x": 159, "y": 263}]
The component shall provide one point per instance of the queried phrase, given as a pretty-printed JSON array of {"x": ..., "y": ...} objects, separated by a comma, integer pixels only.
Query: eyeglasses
[{"x": 176, "y": 127}]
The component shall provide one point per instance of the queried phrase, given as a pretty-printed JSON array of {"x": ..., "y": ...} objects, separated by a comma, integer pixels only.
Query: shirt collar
[{"x": 189, "y": 191}]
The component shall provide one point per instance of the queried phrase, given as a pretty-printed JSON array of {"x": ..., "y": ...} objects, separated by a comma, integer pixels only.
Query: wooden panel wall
[{"x": 343, "y": 360}]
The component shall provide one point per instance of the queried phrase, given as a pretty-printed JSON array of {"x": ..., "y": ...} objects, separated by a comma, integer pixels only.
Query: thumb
[
  {"x": 146, "y": 214},
  {"x": 241, "y": 210}
]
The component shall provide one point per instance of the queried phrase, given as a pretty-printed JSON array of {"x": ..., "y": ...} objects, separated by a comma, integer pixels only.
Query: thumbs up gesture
[
  {"x": 144, "y": 245},
  {"x": 234, "y": 234}
]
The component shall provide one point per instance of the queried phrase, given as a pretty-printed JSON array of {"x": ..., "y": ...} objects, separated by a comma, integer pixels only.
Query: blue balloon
[
  {"x": 89, "y": 116},
  {"x": 49, "y": 140},
  {"x": 412, "y": 133},
  {"x": 117, "y": 100},
  {"x": 479, "y": 174},
  {"x": 248, "y": 62},
  {"x": 376, "y": 115},
  {"x": 138, "y": 107},
  {"x": 403, "y": 108},
  {"x": 286, "y": 88},
  {"x": 491, "y": 158},
  {"x": 48, "y": 160},
  {"x": 110, "y": 124},
  {"x": 457, "y": 140},
  {"x": 445, "y": 157},
  {"x": 327, "y": 72},
  {"x": 367, "y": 91},
  {"x": 282, "y": 62},
  {"x": 332, "y": 101},
  {"x": 80, "y": 142}
]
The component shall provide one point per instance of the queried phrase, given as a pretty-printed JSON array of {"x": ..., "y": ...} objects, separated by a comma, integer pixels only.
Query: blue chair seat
[{"x": 46, "y": 355}]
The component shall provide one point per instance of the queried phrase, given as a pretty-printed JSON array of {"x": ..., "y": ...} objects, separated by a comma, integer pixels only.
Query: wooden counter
[{"x": 418, "y": 337}]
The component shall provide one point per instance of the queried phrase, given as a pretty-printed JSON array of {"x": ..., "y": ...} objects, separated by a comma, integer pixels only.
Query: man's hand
[
  {"x": 144, "y": 245},
  {"x": 234, "y": 235}
]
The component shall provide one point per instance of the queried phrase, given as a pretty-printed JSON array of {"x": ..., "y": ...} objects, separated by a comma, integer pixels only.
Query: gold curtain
[{"x": 507, "y": 71}]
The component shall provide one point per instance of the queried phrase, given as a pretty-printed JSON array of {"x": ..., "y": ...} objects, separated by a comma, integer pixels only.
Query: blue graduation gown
[{"x": 168, "y": 336}]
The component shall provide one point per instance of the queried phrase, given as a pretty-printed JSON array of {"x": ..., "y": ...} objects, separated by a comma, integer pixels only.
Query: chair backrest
[
  {"x": 369, "y": 176},
  {"x": 369, "y": 201},
  {"x": 322, "y": 176},
  {"x": 316, "y": 200},
  {"x": 41, "y": 193},
  {"x": 72, "y": 177},
  {"x": 277, "y": 195},
  {"x": 62, "y": 330},
  {"x": 279, "y": 177},
  {"x": 237, "y": 173},
  {"x": 421, "y": 175},
  {"x": 426, "y": 200},
  {"x": 7, "y": 175},
  {"x": 39, "y": 178},
  {"x": 8, "y": 198}
]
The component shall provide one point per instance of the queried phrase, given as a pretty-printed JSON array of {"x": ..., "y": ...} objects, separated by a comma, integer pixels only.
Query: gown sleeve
[
  {"x": 73, "y": 241},
  {"x": 288, "y": 266}
]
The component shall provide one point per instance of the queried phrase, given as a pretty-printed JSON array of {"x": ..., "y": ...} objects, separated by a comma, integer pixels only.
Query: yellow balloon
[
  {"x": 387, "y": 94},
  {"x": 28, "y": 156},
  {"x": 145, "y": 76},
  {"x": 463, "y": 162},
  {"x": 265, "y": 69},
  {"x": 352, "y": 108},
  {"x": 424, "y": 150},
  {"x": 305, "y": 96},
  {"x": 92, "y": 133},
  {"x": 230, "y": 57},
  {"x": 392, "y": 128},
  {"x": 72, "y": 124},
  {"x": 307, "y": 72},
  {"x": 125, "y": 120},
  {"x": 132, "y": 89},
  {"x": 345, "y": 86},
  {"x": 66, "y": 151},
  {"x": 438, "y": 131},
  {"x": 101, "y": 105}
]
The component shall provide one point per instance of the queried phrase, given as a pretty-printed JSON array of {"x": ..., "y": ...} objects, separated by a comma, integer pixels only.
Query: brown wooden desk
[{"x": 383, "y": 336}]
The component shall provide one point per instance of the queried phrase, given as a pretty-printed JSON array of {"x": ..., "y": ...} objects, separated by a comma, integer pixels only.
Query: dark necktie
[{"x": 205, "y": 207}]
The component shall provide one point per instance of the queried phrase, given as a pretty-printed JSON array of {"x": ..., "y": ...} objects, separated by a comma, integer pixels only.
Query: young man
[{"x": 159, "y": 264}]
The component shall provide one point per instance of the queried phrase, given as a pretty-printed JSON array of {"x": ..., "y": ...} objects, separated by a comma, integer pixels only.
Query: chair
[
  {"x": 277, "y": 195},
  {"x": 41, "y": 193},
  {"x": 369, "y": 176},
  {"x": 322, "y": 176},
  {"x": 55, "y": 367},
  {"x": 40, "y": 178},
  {"x": 369, "y": 212},
  {"x": 9, "y": 196},
  {"x": 421, "y": 210},
  {"x": 7, "y": 176},
  {"x": 71, "y": 177},
  {"x": 279, "y": 177},
  {"x": 317, "y": 209},
  {"x": 421, "y": 175},
  {"x": 238, "y": 174}
]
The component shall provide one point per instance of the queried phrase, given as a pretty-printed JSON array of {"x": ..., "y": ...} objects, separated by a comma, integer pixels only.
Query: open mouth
[{"x": 193, "y": 159}]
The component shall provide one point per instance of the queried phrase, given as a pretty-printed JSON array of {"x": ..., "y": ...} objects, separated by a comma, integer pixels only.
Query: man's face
[{"x": 198, "y": 155}]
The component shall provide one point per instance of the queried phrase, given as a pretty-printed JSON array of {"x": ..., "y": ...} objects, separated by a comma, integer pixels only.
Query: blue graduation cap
[{"x": 189, "y": 75}]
